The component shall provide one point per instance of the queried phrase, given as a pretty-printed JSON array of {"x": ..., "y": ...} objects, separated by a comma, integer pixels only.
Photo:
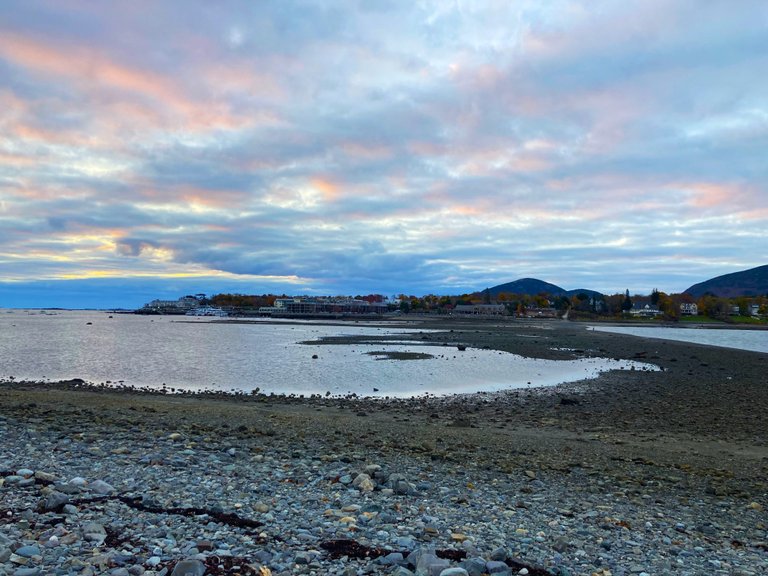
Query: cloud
[{"x": 395, "y": 147}]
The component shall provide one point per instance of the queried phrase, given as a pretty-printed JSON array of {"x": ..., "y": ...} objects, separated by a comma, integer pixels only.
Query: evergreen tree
[{"x": 626, "y": 306}]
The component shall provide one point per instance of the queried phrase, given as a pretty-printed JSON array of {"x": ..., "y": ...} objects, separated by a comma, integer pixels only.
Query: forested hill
[
  {"x": 752, "y": 282},
  {"x": 530, "y": 286}
]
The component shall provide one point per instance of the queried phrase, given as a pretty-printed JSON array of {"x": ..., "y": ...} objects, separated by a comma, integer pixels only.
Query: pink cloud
[{"x": 96, "y": 75}]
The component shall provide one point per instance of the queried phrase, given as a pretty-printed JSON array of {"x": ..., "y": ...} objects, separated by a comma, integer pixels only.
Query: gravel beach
[{"x": 633, "y": 473}]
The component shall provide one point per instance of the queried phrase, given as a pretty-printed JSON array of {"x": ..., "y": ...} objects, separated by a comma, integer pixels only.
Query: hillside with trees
[{"x": 752, "y": 282}]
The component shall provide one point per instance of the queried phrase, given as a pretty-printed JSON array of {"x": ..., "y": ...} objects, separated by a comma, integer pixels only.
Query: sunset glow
[{"x": 365, "y": 147}]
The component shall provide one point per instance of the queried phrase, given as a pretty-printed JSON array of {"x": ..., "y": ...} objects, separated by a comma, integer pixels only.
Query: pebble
[{"x": 305, "y": 493}]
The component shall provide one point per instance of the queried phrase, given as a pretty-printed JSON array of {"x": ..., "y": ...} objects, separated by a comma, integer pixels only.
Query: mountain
[
  {"x": 530, "y": 286},
  {"x": 587, "y": 291},
  {"x": 752, "y": 282},
  {"x": 534, "y": 286}
]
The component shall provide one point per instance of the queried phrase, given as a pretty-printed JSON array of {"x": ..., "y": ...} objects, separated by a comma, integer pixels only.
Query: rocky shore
[{"x": 629, "y": 474}]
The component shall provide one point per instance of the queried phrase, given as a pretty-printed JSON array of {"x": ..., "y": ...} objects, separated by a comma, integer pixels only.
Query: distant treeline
[{"x": 578, "y": 305}]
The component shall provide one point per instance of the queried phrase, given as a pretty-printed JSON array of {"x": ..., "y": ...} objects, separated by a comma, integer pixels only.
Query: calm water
[
  {"x": 196, "y": 354},
  {"x": 754, "y": 340}
]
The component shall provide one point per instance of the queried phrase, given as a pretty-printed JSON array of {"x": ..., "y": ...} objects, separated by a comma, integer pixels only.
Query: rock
[
  {"x": 363, "y": 483},
  {"x": 429, "y": 563},
  {"x": 94, "y": 532},
  {"x": 101, "y": 487},
  {"x": 5, "y": 554},
  {"x": 496, "y": 567},
  {"x": 189, "y": 567},
  {"x": 26, "y": 572},
  {"x": 400, "y": 571},
  {"x": 54, "y": 501},
  {"x": 69, "y": 509},
  {"x": 560, "y": 544},
  {"x": 474, "y": 566},
  {"x": 45, "y": 476},
  {"x": 28, "y": 551},
  {"x": 400, "y": 485},
  {"x": 499, "y": 555},
  {"x": 454, "y": 572},
  {"x": 25, "y": 473},
  {"x": 392, "y": 559}
]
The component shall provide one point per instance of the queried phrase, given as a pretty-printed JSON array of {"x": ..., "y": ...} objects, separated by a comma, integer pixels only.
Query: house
[
  {"x": 548, "y": 312},
  {"x": 689, "y": 309},
  {"x": 481, "y": 309},
  {"x": 180, "y": 306},
  {"x": 645, "y": 311},
  {"x": 754, "y": 309}
]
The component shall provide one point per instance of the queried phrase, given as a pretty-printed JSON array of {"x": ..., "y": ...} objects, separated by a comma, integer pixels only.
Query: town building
[
  {"x": 689, "y": 309},
  {"x": 480, "y": 309}
]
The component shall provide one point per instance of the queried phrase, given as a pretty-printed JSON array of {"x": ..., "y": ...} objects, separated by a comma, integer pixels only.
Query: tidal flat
[{"x": 632, "y": 472}]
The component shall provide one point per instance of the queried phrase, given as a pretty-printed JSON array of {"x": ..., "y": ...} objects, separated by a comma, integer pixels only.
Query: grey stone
[
  {"x": 454, "y": 572},
  {"x": 28, "y": 551},
  {"x": 400, "y": 571},
  {"x": 363, "y": 483},
  {"x": 399, "y": 484},
  {"x": 26, "y": 572},
  {"x": 45, "y": 476},
  {"x": 189, "y": 567},
  {"x": 392, "y": 559},
  {"x": 474, "y": 566},
  {"x": 101, "y": 487},
  {"x": 5, "y": 554},
  {"x": 560, "y": 544},
  {"x": 497, "y": 567},
  {"x": 54, "y": 501},
  {"x": 94, "y": 532},
  {"x": 428, "y": 563}
]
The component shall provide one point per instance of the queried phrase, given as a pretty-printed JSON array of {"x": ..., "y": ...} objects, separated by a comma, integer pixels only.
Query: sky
[{"x": 155, "y": 149}]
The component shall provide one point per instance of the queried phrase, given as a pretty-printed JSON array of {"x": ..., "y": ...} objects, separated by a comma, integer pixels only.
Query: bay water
[
  {"x": 754, "y": 340},
  {"x": 196, "y": 354}
]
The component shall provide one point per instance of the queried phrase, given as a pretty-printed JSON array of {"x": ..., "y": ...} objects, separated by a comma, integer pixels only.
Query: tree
[
  {"x": 669, "y": 306},
  {"x": 655, "y": 297},
  {"x": 626, "y": 305}
]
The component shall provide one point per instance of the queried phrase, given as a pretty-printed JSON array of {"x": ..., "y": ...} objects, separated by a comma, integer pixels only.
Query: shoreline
[{"x": 656, "y": 472}]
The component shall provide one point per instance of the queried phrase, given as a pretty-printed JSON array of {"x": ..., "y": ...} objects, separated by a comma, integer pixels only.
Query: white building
[{"x": 689, "y": 309}]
